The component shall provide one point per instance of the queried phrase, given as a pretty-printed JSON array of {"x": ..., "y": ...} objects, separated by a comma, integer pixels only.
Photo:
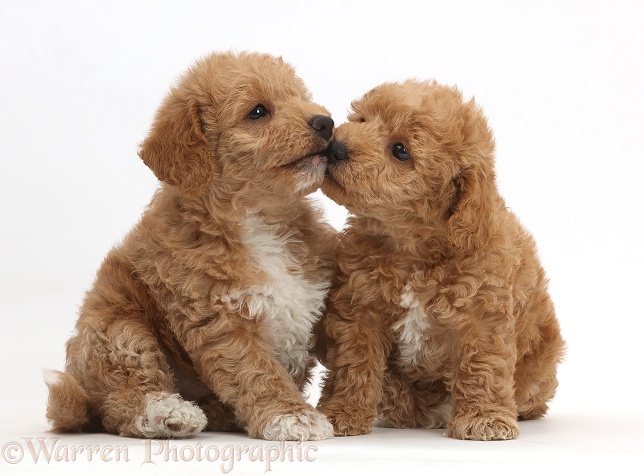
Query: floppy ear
[
  {"x": 471, "y": 222},
  {"x": 176, "y": 149}
]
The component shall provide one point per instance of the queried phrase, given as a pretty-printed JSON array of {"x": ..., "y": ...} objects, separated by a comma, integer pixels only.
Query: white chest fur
[
  {"x": 411, "y": 329},
  {"x": 287, "y": 303}
]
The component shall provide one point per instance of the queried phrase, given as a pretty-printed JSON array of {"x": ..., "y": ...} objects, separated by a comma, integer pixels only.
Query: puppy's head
[
  {"x": 241, "y": 126},
  {"x": 415, "y": 153}
]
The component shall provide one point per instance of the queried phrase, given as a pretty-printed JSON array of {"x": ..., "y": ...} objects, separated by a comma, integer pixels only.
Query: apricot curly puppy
[
  {"x": 213, "y": 295},
  {"x": 439, "y": 315}
]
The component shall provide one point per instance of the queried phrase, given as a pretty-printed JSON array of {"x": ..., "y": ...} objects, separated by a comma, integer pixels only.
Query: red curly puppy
[
  {"x": 203, "y": 315},
  {"x": 440, "y": 314}
]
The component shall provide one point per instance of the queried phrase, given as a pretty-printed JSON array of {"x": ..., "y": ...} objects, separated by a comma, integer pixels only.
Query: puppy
[
  {"x": 212, "y": 297},
  {"x": 439, "y": 315}
]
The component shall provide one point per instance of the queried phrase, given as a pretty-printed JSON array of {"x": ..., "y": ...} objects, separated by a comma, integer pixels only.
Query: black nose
[
  {"x": 323, "y": 125},
  {"x": 336, "y": 152}
]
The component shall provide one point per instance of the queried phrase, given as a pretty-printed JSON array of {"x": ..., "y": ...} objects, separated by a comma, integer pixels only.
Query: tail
[{"x": 68, "y": 405}]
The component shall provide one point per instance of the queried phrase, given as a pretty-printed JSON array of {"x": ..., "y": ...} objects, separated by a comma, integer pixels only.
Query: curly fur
[
  {"x": 440, "y": 301},
  {"x": 213, "y": 295}
]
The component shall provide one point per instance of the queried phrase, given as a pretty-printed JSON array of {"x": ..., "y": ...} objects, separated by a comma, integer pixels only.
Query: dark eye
[
  {"x": 258, "y": 112},
  {"x": 400, "y": 152}
]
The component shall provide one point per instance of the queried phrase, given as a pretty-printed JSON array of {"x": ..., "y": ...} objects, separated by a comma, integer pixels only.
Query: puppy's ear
[
  {"x": 471, "y": 222},
  {"x": 176, "y": 149}
]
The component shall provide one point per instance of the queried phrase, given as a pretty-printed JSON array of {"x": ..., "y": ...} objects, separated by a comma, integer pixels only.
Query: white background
[{"x": 561, "y": 83}]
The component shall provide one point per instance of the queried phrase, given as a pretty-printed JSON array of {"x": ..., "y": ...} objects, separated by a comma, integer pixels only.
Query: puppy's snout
[
  {"x": 322, "y": 125},
  {"x": 336, "y": 152}
]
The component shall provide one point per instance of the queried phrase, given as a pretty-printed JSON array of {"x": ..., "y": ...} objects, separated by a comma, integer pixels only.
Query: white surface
[
  {"x": 561, "y": 83},
  {"x": 571, "y": 441}
]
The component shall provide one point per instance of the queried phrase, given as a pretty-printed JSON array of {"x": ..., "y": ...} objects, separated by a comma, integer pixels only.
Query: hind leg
[
  {"x": 116, "y": 360},
  {"x": 221, "y": 417},
  {"x": 536, "y": 383},
  {"x": 130, "y": 385},
  {"x": 407, "y": 404},
  {"x": 532, "y": 396},
  {"x": 536, "y": 372},
  {"x": 165, "y": 415}
]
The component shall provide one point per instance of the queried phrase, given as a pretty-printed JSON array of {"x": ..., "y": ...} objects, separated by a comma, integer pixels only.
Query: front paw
[
  {"x": 307, "y": 425},
  {"x": 496, "y": 426},
  {"x": 348, "y": 422}
]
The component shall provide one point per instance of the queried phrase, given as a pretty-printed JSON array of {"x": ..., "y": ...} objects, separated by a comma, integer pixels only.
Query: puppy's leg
[
  {"x": 483, "y": 384},
  {"x": 407, "y": 404},
  {"x": 165, "y": 415},
  {"x": 221, "y": 417},
  {"x": 242, "y": 370},
  {"x": 116, "y": 359},
  {"x": 536, "y": 369},
  {"x": 358, "y": 347},
  {"x": 303, "y": 378},
  {"x": 129, "y": 383}
]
